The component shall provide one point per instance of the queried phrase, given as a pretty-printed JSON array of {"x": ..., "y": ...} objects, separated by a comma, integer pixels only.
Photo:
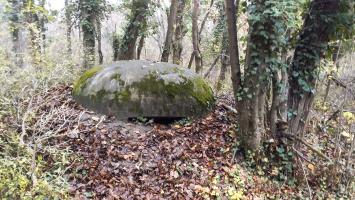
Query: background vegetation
[{"x": 289, "y": 66}]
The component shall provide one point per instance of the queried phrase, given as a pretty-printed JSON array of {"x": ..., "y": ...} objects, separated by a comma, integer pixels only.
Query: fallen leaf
[
  {"x": 174, "y": 174},
  {"x": 345, "y": 134},
  {"x": 311, "y": 167},
  {"x": 95, "y": 118}
]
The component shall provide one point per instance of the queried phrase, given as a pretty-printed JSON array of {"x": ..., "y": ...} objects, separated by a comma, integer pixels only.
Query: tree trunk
[
  {"x": 15, "y": 27},
  {"x": 224, "y": 60},
  {"x": 88, "y": 30},
  {"x": 136, "y": 25},
  {"x": 317, "y": 28},
  {"x": 179, "y": 33},
  {"x": 170, "y": 30},
  {"x": 140, "y": 47},
  {"x": 99, "y": 48},
  {"x": 68, "y": 27},
  {"x": 223, "y": 40},
  {"x": 195, "y": 36},
  {"x": 33, "y": 25},
  {"x": 231, "y": 10},
  {"x": 251, "y": 93},
  {"x": 199, "y": 32},
  {"x": 223, "y": 71}
]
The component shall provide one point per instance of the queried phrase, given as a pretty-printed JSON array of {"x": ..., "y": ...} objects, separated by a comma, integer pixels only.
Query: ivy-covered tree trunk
[
  {"x": 15, "y": 27},
  {"x": 318, "y": 27},
  {"x": 170, "y": 30},
  {"x": 195, "y": 36},
  {"x": 179, "y": 32},
  {"x": 88, "y": 30},
  {"x": 261, "y": 56},
  {"x": 115, "y": 46},
  {"x": 34, "y": 29},
  {"x": 137, "y": 23}
]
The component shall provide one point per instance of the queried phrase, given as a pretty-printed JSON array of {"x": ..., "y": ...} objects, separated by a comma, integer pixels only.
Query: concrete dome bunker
[{"x": 140, "y": 88}]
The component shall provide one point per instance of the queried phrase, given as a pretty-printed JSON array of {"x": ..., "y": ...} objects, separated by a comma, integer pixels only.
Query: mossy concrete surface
[{"x": 138, "y": 88}]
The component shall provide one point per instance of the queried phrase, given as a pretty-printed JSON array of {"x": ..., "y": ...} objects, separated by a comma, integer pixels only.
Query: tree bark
[
  {"x": 231, "y": 9},
  {"x": 170, "y": 30},
  {"x": 179, "y": 33},
  {"x": 195, "y": 36},
  {"x": 317, "y": 28},
  {"x": 137, "y": 23}
]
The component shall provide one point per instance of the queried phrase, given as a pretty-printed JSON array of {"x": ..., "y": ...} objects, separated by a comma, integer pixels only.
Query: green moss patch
[{"x": 81, "y": 82}]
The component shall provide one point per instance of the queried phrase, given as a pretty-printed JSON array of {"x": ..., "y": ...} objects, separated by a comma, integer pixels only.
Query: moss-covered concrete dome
[{"x": 137, "y": 88}]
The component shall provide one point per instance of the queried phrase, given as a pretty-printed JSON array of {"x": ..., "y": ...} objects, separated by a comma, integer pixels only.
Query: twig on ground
[
  {"x": 305, "y": 178},
  {"x": 234, "y": 154},
  {"x": 59, "y": 129},
  {"x": 302, "y": 156},
  {"x": 101, "y": 120}
]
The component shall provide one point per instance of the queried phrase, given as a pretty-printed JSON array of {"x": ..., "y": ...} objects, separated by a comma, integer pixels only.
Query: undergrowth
[
  {"x": 27, "y": 169},
  {"x": 24, "y": 175}
]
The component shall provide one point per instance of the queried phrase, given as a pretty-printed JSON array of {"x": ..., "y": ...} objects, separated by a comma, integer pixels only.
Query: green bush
[{"x": 17, "y": 164}]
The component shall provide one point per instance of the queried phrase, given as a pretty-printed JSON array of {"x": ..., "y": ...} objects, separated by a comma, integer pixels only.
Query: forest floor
[{"x": 183, "y": 160}]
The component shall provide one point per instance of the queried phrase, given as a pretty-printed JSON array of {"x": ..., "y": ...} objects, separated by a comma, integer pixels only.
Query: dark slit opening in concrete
[{"x": 158, "y": 120}]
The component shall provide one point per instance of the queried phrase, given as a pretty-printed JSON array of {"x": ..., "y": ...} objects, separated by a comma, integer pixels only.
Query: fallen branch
[
  {"x": 205, "y": 19},
  {"x": 23, "y": 124},
  {"x": 343, "y": 85},
  {"x": 333, "y": 116},
  {"x": 212, "y": 66},
  {"x": 229, "y": 108},
  {"x": 293, "y": 137},
  {"x": 302, "y": 156}
]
